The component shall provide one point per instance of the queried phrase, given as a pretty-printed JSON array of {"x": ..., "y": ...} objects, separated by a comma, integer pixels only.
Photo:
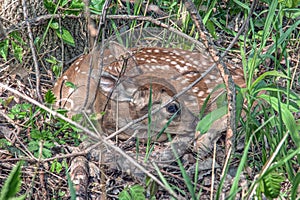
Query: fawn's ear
[
  {"x": 111, "y": 83},
  {"x": 118, "y": 50}
]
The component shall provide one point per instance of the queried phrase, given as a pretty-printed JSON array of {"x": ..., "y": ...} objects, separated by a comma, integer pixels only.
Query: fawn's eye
[{"x": 172, "y": 108}]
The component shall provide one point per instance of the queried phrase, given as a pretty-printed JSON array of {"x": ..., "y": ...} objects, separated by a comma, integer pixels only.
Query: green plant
[
  {"x": 57, "y": 166},
  {"x": 56, "y": 66},
  {"x": 12, "y": 184},
  {"x": 270, "y": 185},
  {"x": 14, "y": 42},
  {"x": 74, "y": 7},
  {"x": 43, "y": 136},
  {"x": 135, "y": 192}
]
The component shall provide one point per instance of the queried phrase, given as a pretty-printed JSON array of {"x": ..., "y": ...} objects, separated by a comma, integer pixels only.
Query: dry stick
[
  {"x": 90, "y": 133},
  {"x": 229, "y": 85},
  {"x": 36, "y": 66},
  {"x": 101, "y": 25},
  {"x": 61, "y": 42},
  {"x": 33, "y": 160},
  {"x": 231, "y": 99},
  {"x": 213, "y": 171},
  {"x": 102, "y": 20},
  {"x": 100, "y": 63},
  {"x": 37, "y": 74},
  {"x": 2, "y": 31},
  {"x": 225, "y": 52},
  {"x": 222, "y": 69},
  {"x": 87, "y": 15},
  {"x": 100, "y": 68}
]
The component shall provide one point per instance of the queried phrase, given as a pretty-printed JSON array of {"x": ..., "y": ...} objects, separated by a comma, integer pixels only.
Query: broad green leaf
[
  {"x": 205, "y": 123},
  {"x": 64, "y": 2},
  {"x": 70, "y": 84},
  {"x": 269, "y": 22},
  {"x": 124, "y": 195},
  {"x": 54, "y": 25},
  {"x": 66, "y": 36}
]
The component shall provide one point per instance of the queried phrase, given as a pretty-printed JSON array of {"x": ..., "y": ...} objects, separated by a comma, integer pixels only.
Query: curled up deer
[{"x": 136, "y": 80}]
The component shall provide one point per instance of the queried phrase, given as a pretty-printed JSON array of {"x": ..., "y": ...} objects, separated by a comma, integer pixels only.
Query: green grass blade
[{"x": 12, "y": 184}]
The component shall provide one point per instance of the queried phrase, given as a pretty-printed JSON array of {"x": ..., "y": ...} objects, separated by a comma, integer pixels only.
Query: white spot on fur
[
  {"x": 212, "y": 77},
  {"x": 219, "y": 79},
  {"x": 184, "y": 81},
  {"x": 188, "y": 64},
  {"x": 207, "y": 81},
  {"x": 195, "y": 89},
  {"x": 204, "y": 62},
  {"x": 164, "y": 67},
  {"x": 153, "y": 67},
  {"x": 178, "y": 66},
  {"x": 196, "y": 62},
  {"x": 200, "y": 94}
]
